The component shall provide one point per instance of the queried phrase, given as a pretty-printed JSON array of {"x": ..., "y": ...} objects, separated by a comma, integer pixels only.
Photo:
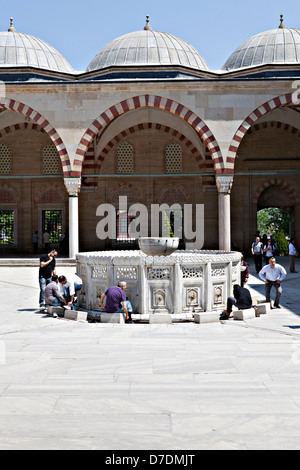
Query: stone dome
[
  {"x": 273, "y": 47},
  {"x": 148, "y": 47},
  {"x": 23, "y": 50}
]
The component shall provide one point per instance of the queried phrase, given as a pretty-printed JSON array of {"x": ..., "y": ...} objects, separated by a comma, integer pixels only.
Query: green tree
[{"x": 273, "y": 220}]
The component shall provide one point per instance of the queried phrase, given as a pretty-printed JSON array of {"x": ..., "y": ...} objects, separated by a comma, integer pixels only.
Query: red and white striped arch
[
  {"x": 158, "y": 102},
  {"x": 38, "y": 119},
  {"x": 291, "y": 192},
  {"x": 203, "y": 163},
  {"x": 274, "y": 103}
]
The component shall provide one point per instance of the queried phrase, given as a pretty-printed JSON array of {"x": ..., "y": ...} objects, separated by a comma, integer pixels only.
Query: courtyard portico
[{"x": 154, "y": 130}]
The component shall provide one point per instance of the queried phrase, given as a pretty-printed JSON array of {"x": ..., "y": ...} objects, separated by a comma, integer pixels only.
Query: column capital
[
  {"x": 224, "y": 183},
  {"x": 73, "y": 186}
]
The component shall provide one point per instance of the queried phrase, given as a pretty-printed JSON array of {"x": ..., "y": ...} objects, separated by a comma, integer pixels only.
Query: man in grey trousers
[{"x": 272, "y": 274}]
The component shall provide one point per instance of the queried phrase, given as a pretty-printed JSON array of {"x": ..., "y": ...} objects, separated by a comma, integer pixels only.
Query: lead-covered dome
[
  {"x": 148, "y": 47},
  {"x": 23, "y": 50},
  {"x": 273, "y": 47}
]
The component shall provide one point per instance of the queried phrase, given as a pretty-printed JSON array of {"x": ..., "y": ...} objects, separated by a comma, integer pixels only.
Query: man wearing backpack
[{"x": 257, "y": 251}]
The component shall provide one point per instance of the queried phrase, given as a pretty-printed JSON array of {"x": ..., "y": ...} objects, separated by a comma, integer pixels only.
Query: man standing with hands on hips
[{"x": 272, "y": 275}]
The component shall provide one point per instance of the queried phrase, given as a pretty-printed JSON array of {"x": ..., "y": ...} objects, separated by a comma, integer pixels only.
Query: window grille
[
  {"x": 172, "y": 223},
  {"x": 173, "y": 158},
  {"x": 51, "y": 160},
  {"x": 7, "y": 227},
  {"x": 125, "y": 227},
  {"x": 125, "y": 159},
  {"x": 52, "y": 222},
  {"x": 5, "y": 160}
]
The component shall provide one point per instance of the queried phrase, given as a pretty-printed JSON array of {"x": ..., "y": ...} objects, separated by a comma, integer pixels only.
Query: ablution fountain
[{"x": 162, "y": 281}]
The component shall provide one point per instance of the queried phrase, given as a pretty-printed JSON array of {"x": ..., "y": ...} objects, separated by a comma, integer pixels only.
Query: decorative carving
[
  {"x": 5, "y": 160},
  {"x": 51, "y": 196},
  {"x": 192, "y": 297},
  {"x": 155, "y": 283},
  {"x": 51, "y": 160},
  {"x": 159, "y": 273},
  {"x": 218, "y": 295},
  {"x": 159, "y": 298},
  {"x": 73, "y": 186},
  {"x": 6, "y": 196},
  {"x": 125, "y": 158},
  {"x": 99, "y": 272},
  {"x": 126, "y": 273},
  {"x": 218, "y": 270},
  {"x": 224, "y": 184},
  {"x": 192, "y": 272}
]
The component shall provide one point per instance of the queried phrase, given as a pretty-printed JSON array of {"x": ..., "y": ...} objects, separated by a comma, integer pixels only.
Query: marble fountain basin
[{"x": 158, "y": 246}]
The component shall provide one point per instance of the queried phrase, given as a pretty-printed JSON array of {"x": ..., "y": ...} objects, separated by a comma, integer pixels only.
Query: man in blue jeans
[
  {"x": 116, "y": 300},
  {"x": 52, "y": 295},
  {"x": 46, "y": 271}
]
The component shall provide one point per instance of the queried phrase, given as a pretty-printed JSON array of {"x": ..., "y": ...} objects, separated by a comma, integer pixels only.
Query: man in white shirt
[
  {"x": 70, "y": 287},
  {"x": 257, "y": 251},
  {"x": 272, "y": 275},
  {"x": 292, "y": 254}
]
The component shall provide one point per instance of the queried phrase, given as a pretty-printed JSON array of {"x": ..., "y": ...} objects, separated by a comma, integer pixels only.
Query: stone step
[
  {"x": 74, "y": 315},
  {"x": 56, "y": 310},
  {"x": 112, "y": 318},
  {"x": 155, "y": 318},
  {"x": 206, "y": 317},
  {"x": 262, "y": 309},
  {"x": 246, "y": 314}
]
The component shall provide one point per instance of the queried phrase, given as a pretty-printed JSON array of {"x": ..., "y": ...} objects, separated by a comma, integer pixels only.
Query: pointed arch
[
  {"x": 291, "y": 192},
  {"x": 203, "y": 162},
  {"x": 158, "y": 102},
  {"x": 38, "y": 119},
  {"x": 268, "y": 106}
]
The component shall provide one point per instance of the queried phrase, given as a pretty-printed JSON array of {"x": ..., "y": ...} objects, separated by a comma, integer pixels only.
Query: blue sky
[{"x": 79, "y": 29}]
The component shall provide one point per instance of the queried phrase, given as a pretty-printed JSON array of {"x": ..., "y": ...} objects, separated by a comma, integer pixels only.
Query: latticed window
[
  {"x": 5, "y": 160},
  {"x": 125, "y": 159},
  {"x": 52, "y": 222},
  {"x": 173, "y": 158},
  {"x": 125, "y": 227},
  {"x": 51, "y": 160},
  {"x": 7, "y": 227},
  {"x": 172, "y": 223}
]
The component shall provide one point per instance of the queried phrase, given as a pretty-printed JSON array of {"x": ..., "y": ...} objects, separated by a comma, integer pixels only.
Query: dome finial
[
  {"x": 281, "y": 26},
  {"x": 147, "y": 27},
  {"x": 11, "y": 28}
]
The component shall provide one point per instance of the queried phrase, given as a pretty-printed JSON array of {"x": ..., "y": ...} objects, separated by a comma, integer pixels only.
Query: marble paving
[{"x": 75, "y": 385}]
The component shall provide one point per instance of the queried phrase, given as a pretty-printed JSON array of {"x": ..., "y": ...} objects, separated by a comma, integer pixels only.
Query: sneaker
[
  {"x": 223, "y": 316},
  {"x": 66, "y": 307},
  {"x": 276, "y": 306}
]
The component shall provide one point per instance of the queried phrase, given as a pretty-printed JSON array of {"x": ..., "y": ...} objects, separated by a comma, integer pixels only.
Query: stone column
[
  {"x": 73, "y": 188},
  {"x": 224, "y": 184}
]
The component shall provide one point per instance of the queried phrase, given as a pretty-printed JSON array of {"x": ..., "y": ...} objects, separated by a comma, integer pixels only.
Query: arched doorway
[
  {"x": 280, "y": 200},
  {"x": 276, "y": 216}
]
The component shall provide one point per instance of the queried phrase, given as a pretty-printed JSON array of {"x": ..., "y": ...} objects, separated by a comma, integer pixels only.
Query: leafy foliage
[
  {"x": 273, "y": 220},
  {"x": 281, "y": 242}
]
